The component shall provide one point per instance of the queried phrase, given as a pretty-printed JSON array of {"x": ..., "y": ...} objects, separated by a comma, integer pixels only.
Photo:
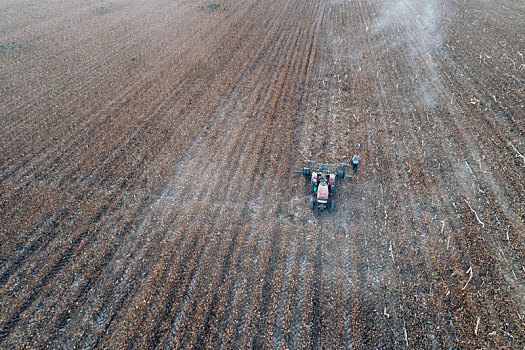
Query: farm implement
[{"x": 322, "y": 182}]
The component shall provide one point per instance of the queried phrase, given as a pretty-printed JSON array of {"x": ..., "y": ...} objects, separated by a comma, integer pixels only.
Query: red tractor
[{"x": 322, "y": 183}]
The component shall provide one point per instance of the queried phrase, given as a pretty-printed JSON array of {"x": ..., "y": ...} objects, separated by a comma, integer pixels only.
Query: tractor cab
[{"x": 322, "y": 191}]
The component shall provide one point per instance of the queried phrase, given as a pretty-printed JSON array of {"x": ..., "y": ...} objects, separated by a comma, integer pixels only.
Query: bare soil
[{"x": 147, "y": 195}]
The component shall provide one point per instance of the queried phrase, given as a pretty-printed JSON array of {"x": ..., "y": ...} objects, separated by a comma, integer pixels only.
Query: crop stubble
[{"x": 147, "y": 197}]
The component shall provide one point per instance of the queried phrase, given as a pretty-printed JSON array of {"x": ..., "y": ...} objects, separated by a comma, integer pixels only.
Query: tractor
[{"x": 322, "y": 182}]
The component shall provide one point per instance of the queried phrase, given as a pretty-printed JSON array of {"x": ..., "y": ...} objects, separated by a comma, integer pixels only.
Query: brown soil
[{"x": 147, "y": 195}]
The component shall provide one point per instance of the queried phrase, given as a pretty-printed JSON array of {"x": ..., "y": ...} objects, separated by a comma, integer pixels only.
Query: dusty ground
[{"x": 147, "y": 199}]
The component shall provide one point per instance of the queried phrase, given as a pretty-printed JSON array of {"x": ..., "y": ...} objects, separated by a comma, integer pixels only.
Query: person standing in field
[{"x": 355, "y": 161}]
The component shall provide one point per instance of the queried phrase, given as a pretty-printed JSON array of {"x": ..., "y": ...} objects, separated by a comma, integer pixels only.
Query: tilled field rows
[
  {"x": 413, "y": 211},
  {"x": 147, "y": 197},
  {"x": 252, "y": 88}
]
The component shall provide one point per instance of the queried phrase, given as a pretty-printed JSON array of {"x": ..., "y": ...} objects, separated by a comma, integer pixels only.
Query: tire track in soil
[
  {"x": 273, "y": 249},
  {"x": 73, "y": 146},
  {"x": 212, "y": 191},
  {"x": 222, "y": 200},
  {"x": 34, "y": 245},
  {"x": 330, "y": 125},
  {"x": 79, "y": 46},
  {"x": 86, "y": 126},
  {"x": 243, "y": 142},
  {"x": 58, "y": 265},
  {"x": 63, "y": 257}
]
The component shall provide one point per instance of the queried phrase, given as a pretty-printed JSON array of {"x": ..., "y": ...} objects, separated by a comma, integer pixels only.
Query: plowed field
[{"x": 147, "y": 195}]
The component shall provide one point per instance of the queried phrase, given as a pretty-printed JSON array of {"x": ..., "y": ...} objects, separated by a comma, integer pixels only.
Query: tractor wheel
[
  {"x": 312, "y": 203},
  {"x": 341, "y": 174},
  {"x": 332, "y": 205},
  {"x": 332, "y": 190},
  {"x": 307, "y": 171}
]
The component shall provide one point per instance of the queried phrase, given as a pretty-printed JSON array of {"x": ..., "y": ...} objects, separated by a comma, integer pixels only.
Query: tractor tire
[
  {"x": 307, "y": 171},
  {"x": 312, "y": 203},
  {"x": 332, "y": 205},
  {"x": 341, "y": 174},
  {"x": 332, "y": 190}
]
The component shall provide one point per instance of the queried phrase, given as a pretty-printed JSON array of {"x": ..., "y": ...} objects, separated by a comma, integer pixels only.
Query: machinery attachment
[{"x": 322, "y": 178}]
